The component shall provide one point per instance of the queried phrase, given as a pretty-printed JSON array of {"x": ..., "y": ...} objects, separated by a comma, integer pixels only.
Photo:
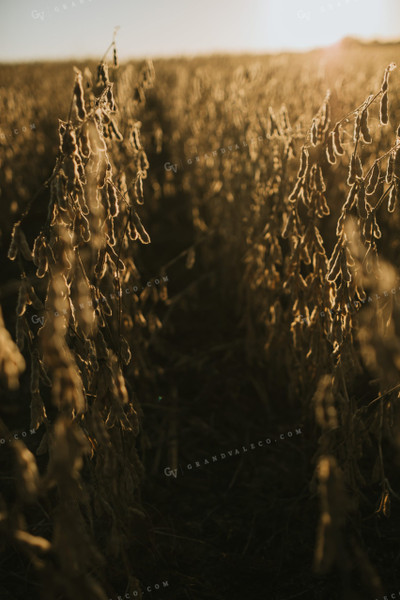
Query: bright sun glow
[{"x": 310, "y": 23}]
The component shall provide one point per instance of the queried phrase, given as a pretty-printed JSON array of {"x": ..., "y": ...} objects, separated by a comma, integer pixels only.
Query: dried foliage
[
  {"x": 293, "y": 211},
  {"x": 287, "y": 219},
  {"x": 80, "y": 356}
]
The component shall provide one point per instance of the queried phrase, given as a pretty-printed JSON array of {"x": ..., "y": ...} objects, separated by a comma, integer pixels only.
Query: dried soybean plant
[
  {"x": 330, "y": 293},
  {"x": 87, "y": 414},
  {"x": 263, "y": 258}
]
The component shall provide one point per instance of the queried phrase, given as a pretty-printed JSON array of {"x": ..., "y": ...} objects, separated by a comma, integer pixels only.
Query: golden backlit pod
[
  {"x": 373, "y": 180},
  {"x": 390, "y": 168},
  {"x": 12, "y": 363},
  {"x": 303, "y": 162},
  {"x": 84, "y": 141},
  {"x": 32, "y": 542},
  {"x": 330, "y": 149},
  {"x": 19, "y": 244},
  {"x": 79, "y": 95},
  {"x": 357, "y": 127},
  {"x": 113, "y": 200},
  {"x": 384, "y": 109},
  {"x": 136, "y": 224},
  {"x": 355, "y": 169},
  {"x": 364, "y": 127},
  {"x": 336, "y": 138},
  {"x": 352, "y": 170},
  {"x": 351, "y": 198},
  {"x": 319, "y": 179},
  {"x": 314, "y": 133},
  {"x": 386, "y": 75}
]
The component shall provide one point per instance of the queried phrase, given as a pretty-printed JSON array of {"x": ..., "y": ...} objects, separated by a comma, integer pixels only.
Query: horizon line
[{"x": 209, "y": 53}]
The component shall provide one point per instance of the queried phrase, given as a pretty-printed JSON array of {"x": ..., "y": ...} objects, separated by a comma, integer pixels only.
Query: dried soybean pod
[
  {"x": 115, "y": 130},
  {"x": 81, "y": 170},
  {"x": 319, "y": 179},
  {"x": 373, "y": 180},
  {"x": 111, "y": 100},
  {"x": 336, "y": 251},
  {"x": 138, "y": 190},
  {"x": 79, "y": 97},
  {"x": 34, "y": 299},
  {"x": 84, "y": 228},
  {"x": 126, "y": 354},
  {"x": 115, "y": 57},
  {"x": 314, "y": 133},
  {"x": 304, "y": 196},
  {"x": 288, "y": 225},
  {"x": 112, "y": 255},
  {"x": 364, "y": 127},
  {"x": 135, "y": 137},
  {"x": 335, "y": 268},
  {"x": 396, "y": 166},
  {"x": 322, "y": 204},
  {"x": 352, "y": 170},
  {"x": 336, "y": 139},
  {"x": 358, "y": 166},
  {"x": 105, "y": 119},
  {"x": 22, "y": 299},
  {"x": 35, "y": 373},
  {"x": 318, "y": 242},
  {"x": 344, "y": 269},
  {"x": 106, "y": 308},
  {"x": 84, "y": 142},
  {"x": 43, "y": 265},
  {"x": 112, "y": 199},
  {"x": 296, "y": 190},
  {"x": 68, "y": 144},
  {"x": 330, "y": 152},
  {"x": 37, "y": 248},
  {"x": 340, "y": 224},
  {"x": 131, "y": 232},
  {"x": 23, "y": 244},
  {"x": 361, "y": 207},
  {"x": 137, "y": 223},
  {"x": 377, "y": 231},
  {"x": 102, "y": 74},
  {"x": 367, "y": 229},
  {"x": 13, "y": 249},
  {"x": 357, "y": 127},
  {"x": 384, "y": 114},
  {"x": 102, "y": 175},
  {"x": 390, "y": 168},
  {"x": 392, "y": 202},
  {"x": 101, "y": 266},
  {"x": 388, "y": 70},
  {"x": 111, "y": 233},
  {"x": 303, "y": 162},
  {"x": 351, "y": 198}
]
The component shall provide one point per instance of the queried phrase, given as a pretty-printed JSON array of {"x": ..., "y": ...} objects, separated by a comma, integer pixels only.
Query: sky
[{"x": 64, "y": 29}]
